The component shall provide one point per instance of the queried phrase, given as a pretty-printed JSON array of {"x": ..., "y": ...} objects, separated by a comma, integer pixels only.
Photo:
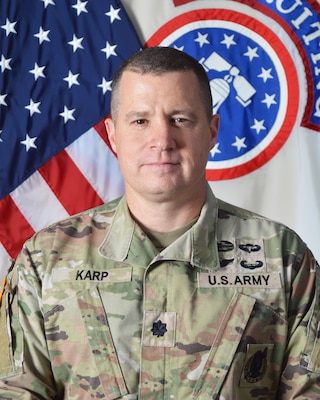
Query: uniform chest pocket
[
  {"x": 80, "y": 343},
  {"x": 262, "y": 349},
  {"x": 247, "y": 355}
]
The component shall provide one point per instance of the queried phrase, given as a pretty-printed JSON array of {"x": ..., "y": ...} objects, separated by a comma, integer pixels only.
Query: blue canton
[{"x": 57, "y": 61}]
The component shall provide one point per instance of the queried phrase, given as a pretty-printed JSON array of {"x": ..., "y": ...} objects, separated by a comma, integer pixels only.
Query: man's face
[{"x": 162, "y": 135}]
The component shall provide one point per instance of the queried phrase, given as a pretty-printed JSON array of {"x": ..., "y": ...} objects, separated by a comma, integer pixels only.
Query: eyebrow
[
  {"x": 184, "y": 112},
  {"x": 136, "y": 115},
  {"x": 140, "y": 114}
]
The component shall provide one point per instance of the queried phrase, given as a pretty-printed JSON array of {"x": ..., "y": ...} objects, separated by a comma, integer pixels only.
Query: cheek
[
  {"x": 200, "y": 155},
  {"x": 200, "y": 149},
  {"x": 127, "y": 142},
  {"x": 127, "y": 154}
]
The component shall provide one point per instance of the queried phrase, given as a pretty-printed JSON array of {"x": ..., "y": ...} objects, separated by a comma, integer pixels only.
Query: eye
[
  {"x": 140, "y": 121},
  {"x": 179, "y": 120}
]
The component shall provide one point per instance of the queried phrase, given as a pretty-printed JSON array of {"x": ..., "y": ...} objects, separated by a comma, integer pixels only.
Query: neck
[{"x": 161, "y": 215}]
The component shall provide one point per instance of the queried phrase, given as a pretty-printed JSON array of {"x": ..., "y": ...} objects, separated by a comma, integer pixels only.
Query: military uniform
[{"x": 229, "y": 310}]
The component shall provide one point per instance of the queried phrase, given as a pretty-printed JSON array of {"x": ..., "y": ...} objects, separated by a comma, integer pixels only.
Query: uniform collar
[{"x": 126, "y": 242}]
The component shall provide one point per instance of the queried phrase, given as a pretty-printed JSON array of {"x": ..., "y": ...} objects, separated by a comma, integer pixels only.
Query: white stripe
[
  {"x": 98, "y": 164},
  {"x": 5, "y": 262},
  {"x": 37, "y": 202}
]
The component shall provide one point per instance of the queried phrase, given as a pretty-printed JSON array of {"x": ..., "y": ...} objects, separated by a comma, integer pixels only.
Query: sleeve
[
  {"x": 25, "y": 368},
  {"x": 301, "y": 372}
]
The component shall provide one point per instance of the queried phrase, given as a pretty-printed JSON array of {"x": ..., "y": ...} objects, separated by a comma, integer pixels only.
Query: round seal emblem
[{"x": 253, "y": 81}]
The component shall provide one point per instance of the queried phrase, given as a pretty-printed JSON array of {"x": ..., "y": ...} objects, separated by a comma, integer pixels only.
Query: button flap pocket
[{"x": 225, "y": 345}]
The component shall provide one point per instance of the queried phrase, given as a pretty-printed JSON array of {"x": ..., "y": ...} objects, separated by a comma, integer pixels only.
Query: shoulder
[
  {"x": 75, "y": 230},
  {"x": 227, "y": 210},
  {"x": 240, "y": 222},
  {"x": 102, "y": 213}
]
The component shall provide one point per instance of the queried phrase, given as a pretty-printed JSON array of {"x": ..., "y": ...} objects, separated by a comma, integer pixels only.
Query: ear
[
  {"x": 214, "y": 128},
  {"x": 110, "y": 128}
]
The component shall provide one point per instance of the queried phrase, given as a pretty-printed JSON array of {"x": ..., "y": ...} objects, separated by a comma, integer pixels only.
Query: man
[{"x": 167, "y": 293}]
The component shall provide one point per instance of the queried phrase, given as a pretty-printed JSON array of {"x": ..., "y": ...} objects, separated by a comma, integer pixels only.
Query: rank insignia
[{"x": 159, "y": 328}]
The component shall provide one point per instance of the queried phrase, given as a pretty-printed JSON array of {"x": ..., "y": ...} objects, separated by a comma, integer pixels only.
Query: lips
[
  {"x": 162, "y": 161},
  {"x": 161, "y": 166}
]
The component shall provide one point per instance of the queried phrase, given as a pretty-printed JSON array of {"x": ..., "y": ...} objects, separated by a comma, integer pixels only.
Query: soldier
[{"x": 168, "y": 292}]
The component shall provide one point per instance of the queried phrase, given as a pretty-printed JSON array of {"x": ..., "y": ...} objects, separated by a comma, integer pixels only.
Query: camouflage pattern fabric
[{"x": 228, "y": 311}]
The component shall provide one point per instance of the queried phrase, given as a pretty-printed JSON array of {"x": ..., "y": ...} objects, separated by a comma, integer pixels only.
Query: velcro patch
[
  {"x": 256, "y": 364},
  {"x": 159, "y": 329},
  {"x": 6, "y": 366}
]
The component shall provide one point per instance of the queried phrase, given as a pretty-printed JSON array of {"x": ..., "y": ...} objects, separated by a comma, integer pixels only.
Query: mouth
[{"x": 162, "y": 166}]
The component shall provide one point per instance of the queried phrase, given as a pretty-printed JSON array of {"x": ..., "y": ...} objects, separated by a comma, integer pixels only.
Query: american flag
[{"x": 57, "y": 61}]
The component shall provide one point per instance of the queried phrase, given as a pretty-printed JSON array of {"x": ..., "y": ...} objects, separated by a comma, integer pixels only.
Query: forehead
[
  {"x": 167, "y": 89},
  {"x": 179, "y": 78}
]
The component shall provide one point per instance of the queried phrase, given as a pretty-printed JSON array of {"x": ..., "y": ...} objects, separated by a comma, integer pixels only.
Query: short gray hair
[{"x": 159, "y": 60}]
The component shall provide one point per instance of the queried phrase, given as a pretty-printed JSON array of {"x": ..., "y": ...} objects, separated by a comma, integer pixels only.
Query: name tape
[
  {"x": 92, "y": 275},
  {"x": 219, "y": 280}
]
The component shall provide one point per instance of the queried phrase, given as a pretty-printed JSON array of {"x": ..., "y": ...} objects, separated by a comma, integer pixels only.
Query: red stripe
[
  {"x": 180, "y": 2},
  {"x": 101, "y": 129},
  {"x": 69, "y": 184},
  {"x": 14, "y": 228}
]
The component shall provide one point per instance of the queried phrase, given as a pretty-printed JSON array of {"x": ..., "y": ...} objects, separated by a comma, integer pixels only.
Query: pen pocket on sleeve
[{"x": 6, "y": 365}]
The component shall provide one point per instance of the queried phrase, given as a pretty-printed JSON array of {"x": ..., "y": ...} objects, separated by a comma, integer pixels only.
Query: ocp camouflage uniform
[{"x": 228, "y": 311}]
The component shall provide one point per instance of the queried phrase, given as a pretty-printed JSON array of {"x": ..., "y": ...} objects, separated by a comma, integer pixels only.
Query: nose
[{"x": 162, "y": 136}]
